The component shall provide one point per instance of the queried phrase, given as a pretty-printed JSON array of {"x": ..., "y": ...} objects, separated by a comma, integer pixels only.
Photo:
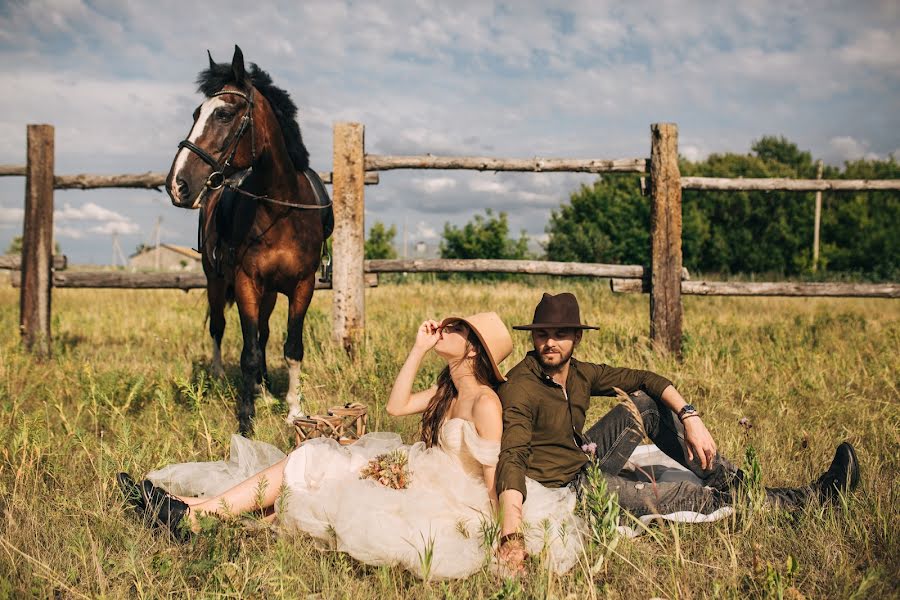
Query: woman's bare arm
[
  {"x": 402, "y": 401},
  {"x": 487, "y": 413}
]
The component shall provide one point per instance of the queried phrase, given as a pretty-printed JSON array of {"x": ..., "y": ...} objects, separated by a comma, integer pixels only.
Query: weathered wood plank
[
  {"x": 377, "y": 162},
  {"x": 665, "y": 239},
  {"x": 794, "y": 185},
  {"x": 483, "y": 265},
  {"x": 348, "y": 240},
  {"x": 781, "y": 288},
  {"x": 14, "y": 262},
  {"x": 37, "y": 241},
  {"x": 147, "y": 281},
  {"x": 149, "y": 180}
]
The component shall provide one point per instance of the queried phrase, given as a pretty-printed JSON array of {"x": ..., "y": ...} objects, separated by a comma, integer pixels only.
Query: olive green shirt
[{"x": 539, "y": 427}]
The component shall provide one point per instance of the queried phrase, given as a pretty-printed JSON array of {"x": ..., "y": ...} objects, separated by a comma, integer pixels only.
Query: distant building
[{"x": 168, "y": 257}]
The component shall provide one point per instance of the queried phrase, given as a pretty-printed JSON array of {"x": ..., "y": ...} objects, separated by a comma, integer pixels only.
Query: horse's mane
[{"x": 216, "y": 77}]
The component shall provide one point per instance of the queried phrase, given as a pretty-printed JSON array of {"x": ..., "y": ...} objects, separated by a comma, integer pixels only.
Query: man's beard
[{"x": 555, "y": 367}]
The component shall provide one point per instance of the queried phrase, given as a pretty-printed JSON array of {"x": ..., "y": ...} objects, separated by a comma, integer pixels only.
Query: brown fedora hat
[
  {"x": 493, "y": 335},
  {"x": 557, "y": 312}
]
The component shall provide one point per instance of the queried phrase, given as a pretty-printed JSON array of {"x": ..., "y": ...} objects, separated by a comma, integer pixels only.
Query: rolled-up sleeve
[
  {"x": 515, "y": 443},
  {"x": 604, "y": 378}
]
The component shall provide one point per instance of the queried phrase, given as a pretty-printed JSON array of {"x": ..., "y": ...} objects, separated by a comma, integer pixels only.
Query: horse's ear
[
  {"x": 212, "y": 63},
  {"x": 237, "y": 65}
]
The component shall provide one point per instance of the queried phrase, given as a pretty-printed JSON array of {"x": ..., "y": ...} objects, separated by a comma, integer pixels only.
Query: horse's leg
[
  {"x": 248, "y": 300},
  {"x": 215, "y": 295},
  {"x": 266, "y": 305},
  {"x": 293, "y": 346}
]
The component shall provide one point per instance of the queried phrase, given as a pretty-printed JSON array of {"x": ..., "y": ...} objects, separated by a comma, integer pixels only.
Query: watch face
[{"x": 688, "y": 408}]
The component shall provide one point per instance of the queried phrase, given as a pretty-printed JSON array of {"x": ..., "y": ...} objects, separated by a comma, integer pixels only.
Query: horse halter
[{"x": 217, "y": 178}]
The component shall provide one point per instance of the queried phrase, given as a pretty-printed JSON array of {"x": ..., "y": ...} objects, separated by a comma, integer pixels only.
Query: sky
[{"x": 575, "y": 79}]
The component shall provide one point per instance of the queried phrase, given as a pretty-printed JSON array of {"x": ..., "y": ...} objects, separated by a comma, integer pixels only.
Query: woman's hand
[
  {"x": 427, "y": 336},
  {"x": 699, "y": 442}
]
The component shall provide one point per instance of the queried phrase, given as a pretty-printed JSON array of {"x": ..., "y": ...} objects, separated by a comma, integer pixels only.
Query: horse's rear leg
[
  {"x": 248, "y": 300},
  {"x": 215, "y": 295},
  {"x": 293, "y": 346},
  {"x": 266, "y": 305}
]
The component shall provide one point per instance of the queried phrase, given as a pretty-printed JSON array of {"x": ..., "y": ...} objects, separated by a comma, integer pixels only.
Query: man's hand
[
  {"x": 699, "y": 442},
  {"x": 512, "y": 555}
]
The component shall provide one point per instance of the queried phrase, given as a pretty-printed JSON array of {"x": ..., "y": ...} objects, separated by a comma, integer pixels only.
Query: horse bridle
[{"x": 217, "y": 179}]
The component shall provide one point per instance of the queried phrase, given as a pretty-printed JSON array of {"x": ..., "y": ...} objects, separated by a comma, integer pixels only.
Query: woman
[{"x": 439, "y": 525}]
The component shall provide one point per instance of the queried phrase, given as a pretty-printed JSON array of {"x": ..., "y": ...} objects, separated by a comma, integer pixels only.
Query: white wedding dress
[{"x": 443, "y": 514}]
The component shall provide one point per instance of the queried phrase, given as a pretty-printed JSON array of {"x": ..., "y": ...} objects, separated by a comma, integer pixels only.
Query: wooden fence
[{"x": 665, "y": 279}]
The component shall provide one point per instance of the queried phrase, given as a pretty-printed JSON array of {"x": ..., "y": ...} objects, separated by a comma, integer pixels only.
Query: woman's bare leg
[{"x": 259, "y": 492}]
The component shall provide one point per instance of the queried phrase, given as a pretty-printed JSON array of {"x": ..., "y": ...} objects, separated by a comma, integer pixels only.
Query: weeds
[{"x": 127, "y": 389}]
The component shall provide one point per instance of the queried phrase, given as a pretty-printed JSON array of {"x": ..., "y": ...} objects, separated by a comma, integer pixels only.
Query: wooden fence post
[
  {"x": 348, "y": 240},
  {"x": 37, "y": 241},
  {"x": 665, "y": 239},
  {"x": 817, "y": 220}
]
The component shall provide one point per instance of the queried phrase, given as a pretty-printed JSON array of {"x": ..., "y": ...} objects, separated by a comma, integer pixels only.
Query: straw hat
[{"x": 493, "y": 335}]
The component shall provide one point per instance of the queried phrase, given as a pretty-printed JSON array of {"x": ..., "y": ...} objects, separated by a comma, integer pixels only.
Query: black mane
[{"x": 216, "y": 77}]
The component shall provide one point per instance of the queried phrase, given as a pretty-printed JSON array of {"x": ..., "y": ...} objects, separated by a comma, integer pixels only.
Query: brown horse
[{"x": 264, "y": 216}]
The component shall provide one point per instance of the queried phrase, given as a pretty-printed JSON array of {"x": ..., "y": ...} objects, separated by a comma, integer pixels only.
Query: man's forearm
[
  {"x": 510, "y": 511},
  {"x": 673, "y": 399}
]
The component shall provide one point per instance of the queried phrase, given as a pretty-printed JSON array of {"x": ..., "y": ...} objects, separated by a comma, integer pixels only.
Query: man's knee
[{"x": 648, "y": 408}]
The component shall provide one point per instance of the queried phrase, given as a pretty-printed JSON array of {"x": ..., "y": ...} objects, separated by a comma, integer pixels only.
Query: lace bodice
[{"x": 459, "y": 439}]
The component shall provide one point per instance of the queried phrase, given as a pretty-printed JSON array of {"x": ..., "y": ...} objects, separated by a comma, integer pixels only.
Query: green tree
[
  {"x": 380, "y": 242},
  {"x": 609, "y": 222},
  {"x": 743, "y": 232},
  {"x": 15, "y": 245},
  {"x": 486, "y": 236}
]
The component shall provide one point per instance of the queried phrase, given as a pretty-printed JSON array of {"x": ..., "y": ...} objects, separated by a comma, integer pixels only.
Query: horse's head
[{"x": 221, "y": 142}]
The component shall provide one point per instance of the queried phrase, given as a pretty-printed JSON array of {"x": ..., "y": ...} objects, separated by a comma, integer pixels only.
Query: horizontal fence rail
[
  {"x": 483, "y": 265},
  {"x": 781, "y": 288},
  {"x": 143, "y": 281},
  {"x": 14, "y": 262},
  {"x": 791, "y": 185},
  {"x": 378, "y": 162},
  {"x": 148, "y": 181}
]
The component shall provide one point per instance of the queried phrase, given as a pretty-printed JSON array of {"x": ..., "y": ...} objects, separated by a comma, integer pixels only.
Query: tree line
[{"x": 726, "y": 233}]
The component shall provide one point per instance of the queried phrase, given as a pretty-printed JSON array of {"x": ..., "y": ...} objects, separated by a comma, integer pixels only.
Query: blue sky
[{"x": 581, "y": 79}]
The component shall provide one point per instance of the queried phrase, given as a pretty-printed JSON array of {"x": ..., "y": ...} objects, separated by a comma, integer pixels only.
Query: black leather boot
[
  {"x": 167, "y": 510},
  {"x": 841, "y": 476}
]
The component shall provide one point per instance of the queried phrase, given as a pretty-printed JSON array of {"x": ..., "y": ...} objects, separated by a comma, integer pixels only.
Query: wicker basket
[{"x": 346, "y": 424}]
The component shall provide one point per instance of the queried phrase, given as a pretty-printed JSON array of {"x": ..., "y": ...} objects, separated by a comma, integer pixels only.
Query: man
[{"x": 545, "y": 401}]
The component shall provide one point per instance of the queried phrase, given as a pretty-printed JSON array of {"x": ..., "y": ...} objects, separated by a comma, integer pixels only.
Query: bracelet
[
  {"x": 689, "y": 415},
  {"x": 515, "y": 535}
]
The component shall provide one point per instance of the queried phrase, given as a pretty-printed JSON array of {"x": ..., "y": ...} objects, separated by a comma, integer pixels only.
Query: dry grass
[{"x": 127, "y": 390}]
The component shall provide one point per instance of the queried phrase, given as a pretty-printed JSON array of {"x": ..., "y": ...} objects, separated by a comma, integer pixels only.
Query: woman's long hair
[{"x": 439, "y": 404}]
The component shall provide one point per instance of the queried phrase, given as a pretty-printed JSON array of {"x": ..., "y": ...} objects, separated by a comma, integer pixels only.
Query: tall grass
[{"x": 127, "y": 389}]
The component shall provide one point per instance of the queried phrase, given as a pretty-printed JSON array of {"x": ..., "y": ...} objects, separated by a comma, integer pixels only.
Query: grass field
[{"x": 127, "y": 390}]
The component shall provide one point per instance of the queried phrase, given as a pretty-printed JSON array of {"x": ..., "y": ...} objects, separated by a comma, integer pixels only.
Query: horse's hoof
[{"x": 293, "y": 414}]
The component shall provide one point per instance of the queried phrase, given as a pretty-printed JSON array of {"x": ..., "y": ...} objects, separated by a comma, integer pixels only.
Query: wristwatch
[{"x": 687, "y": 409}]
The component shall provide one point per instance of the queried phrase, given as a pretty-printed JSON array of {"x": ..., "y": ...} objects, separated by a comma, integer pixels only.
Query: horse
[{"x": 264, "y": 217}]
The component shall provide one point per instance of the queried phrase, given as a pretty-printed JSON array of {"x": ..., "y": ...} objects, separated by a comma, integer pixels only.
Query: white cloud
[
  {"x": 11, "y": 216},
  {"x": 87, "y": 212},
  {"x": 692, "y": 152},
  {"x": 489, "y": 186},
  {"x": 74, "y": 233},
  {"x": 471, "y": 78},
  {"x": 120, "y": 227},
  {"x": 424, "y": 231},
  {"x": 432, "y": 185},
  {"x": 875, "y": 48},
  {"x": 846, "y": 147}
]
